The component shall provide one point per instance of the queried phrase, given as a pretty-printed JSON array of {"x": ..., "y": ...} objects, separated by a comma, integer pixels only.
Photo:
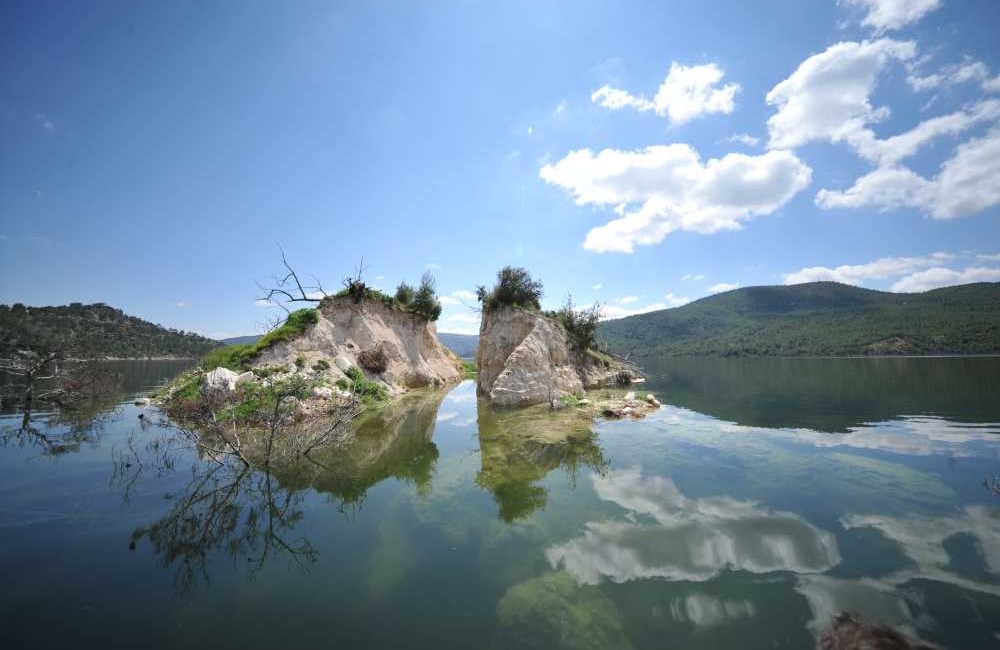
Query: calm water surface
[{"x": 765, "y": 497}]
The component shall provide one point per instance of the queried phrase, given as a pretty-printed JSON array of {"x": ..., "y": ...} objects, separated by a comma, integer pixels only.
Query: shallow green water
[{"x": 764, "y": 498}]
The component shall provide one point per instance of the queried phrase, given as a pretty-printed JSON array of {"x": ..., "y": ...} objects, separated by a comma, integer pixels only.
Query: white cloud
[
  {"x": 45, "y": 123},
  {"x": 691, "y": 276},
  {"x": 941, "y": 277},
  {"x": 663, "y": 188},
  {"x": 968, "y": 70},
  {"x": 459, "y": 324},
  {"x": 616, "y": 98},
  {"x": 827, "y": 97},
  {"x": 379, "y": 277},
  {"x": 880, "y": 269},
  {"x": 744, "y": 138},
  {"x": 966, "y": 184},
  {"x": 448, "y": 301},
  {"x": 462, "y": 294},
  {"x": 561, "y": 109},
  {"x": 625, "y": 300},
  {"x": 180, "y": 305},
  {"x": 264, "y": 304},
  {"x": 674, "y": 300},
  {"x": 597, "y": 286},
  {"x": 434, "y": 266},
  {"x": 610, "y": 312},
  {"x": 689, "y": 91},
  {"x": 722, "y": 286},
  {"x": 686, "y": 93},
  {"x": 886, "y": 15},
  {"x": 994, "y": 257}
]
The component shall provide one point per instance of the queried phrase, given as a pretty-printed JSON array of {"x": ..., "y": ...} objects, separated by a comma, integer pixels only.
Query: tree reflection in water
[
  {"x": 230, "y": 508},
  {"x": 518, "y": 448}
]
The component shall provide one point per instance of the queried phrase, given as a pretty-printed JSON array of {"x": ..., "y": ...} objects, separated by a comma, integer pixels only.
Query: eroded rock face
[
  {"x": 526, "y": 358},
  {"x": 346, "y": 329}
]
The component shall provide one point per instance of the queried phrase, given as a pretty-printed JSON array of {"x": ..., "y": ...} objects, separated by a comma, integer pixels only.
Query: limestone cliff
[
  {"x": 525, "y": 357},
  {"x": 389, "y": 344}
]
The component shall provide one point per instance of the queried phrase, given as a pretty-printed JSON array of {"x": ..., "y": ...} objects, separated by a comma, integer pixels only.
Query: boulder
[
  {"x": 525, "y": 357},
  {"x": 323, "y": 392},
  {"x": 245, "y": 377},
  {"x": 219, "y": 381},
  {"x": 142, "y": 401}
]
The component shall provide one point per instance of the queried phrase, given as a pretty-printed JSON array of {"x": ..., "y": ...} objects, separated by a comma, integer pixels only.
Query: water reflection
[
  {"x": 688, "y": 539},
  {"x": 232, "y": 509},
  {"x": 832, "y": 395},
  {"x": 394, "y": 442},
  {"x": 518, "y": 448}
]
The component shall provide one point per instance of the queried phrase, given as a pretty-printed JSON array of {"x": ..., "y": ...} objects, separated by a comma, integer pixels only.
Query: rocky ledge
[{"x": 526, "y": 357}]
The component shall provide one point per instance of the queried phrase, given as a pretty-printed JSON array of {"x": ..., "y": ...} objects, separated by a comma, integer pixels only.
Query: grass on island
[{"x": 236, "y": 357}]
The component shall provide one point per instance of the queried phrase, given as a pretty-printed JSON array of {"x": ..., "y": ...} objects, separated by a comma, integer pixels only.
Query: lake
[{"x": 764, "y": 498}]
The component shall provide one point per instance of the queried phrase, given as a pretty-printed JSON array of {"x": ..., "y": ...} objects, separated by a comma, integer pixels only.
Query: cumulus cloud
[
  {"x": 969, "y": 70},
  {"x": 880, "y": 269},
  {"x": 966, "y": 184},
  {"x": 674, "y": 300},
  {"x": 828, "y": 95},
  {"x": 686, "y": 93},
  {"x": 624, "y": 300},
  {"x": 597, "y": 286},
  {"x": 744, "y": 138},
  {"x": 692, "y": 276},
  {"x": 611, "y": 312},
  {"x": 886, "y": 15},
  {"x": 723, "y": 286},
  {"x": 941, "y": 277},
  {"x": 664, "y": 188},
  {"x": 690, "y": 539},
  {"x": 915, "y": 274}
]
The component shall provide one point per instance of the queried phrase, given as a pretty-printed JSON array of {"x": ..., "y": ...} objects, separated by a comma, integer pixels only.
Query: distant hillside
[
  {"x": 241, "y": 340},
  {"x": 464, "y": 345},
  {"x": 817, "y": 319},
  {"x": 93, "y": 331}
]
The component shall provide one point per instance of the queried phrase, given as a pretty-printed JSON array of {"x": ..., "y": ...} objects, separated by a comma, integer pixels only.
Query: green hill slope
[
  {"x": 93, "y": 331},
  {"x": 819, "y": 318}
]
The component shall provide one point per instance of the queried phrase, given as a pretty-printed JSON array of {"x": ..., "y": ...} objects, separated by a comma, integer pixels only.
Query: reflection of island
[
  {"x": 394, "y": 442},
  {"x": 828, "y": 394},
  {"x": 518, "y": 448},
  {"x": 688, "y": 539}
]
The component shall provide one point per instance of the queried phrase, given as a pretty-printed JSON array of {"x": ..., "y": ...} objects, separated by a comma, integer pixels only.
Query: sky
[{"x": 155, "y": 155}]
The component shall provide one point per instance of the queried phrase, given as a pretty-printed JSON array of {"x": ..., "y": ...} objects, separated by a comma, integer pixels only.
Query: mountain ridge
[{"x": 817, "y": 319}]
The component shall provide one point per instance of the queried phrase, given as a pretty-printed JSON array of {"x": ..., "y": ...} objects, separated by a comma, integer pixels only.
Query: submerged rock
[{"x": 525, "y": 357}]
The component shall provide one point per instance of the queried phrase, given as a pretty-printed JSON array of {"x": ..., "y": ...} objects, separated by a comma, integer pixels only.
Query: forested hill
[
  {"x": 93, "y": 331},
  {"x": 817, "y": 319}
]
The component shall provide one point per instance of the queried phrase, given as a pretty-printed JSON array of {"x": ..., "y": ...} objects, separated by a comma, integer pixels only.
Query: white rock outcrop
[
  {"x": 412, "y": 354},
  {"x": 219, "y": 381},
  {"x": 525, "y": 357}
]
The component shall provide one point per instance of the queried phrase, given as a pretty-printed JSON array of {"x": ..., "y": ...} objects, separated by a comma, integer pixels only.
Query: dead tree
[
  {"x": 30, "y": 367},
  {"x": 288, "y": 288}
]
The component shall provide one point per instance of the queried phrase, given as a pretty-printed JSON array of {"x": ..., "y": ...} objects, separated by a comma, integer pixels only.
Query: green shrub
[
  {"x": 404, "y": 294},
  {"x": 365, "y": 390},
  {"x": 425, "y": 302},
  {"x": 322, "y": 365},
  {"x": 300, "y": 361},
  {"x": 580, "y": 325},
  {"x": 514, "y": 288}
]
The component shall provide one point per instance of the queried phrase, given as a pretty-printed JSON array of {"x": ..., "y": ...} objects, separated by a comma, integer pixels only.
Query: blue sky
[{"x": 639, "y": 154}]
